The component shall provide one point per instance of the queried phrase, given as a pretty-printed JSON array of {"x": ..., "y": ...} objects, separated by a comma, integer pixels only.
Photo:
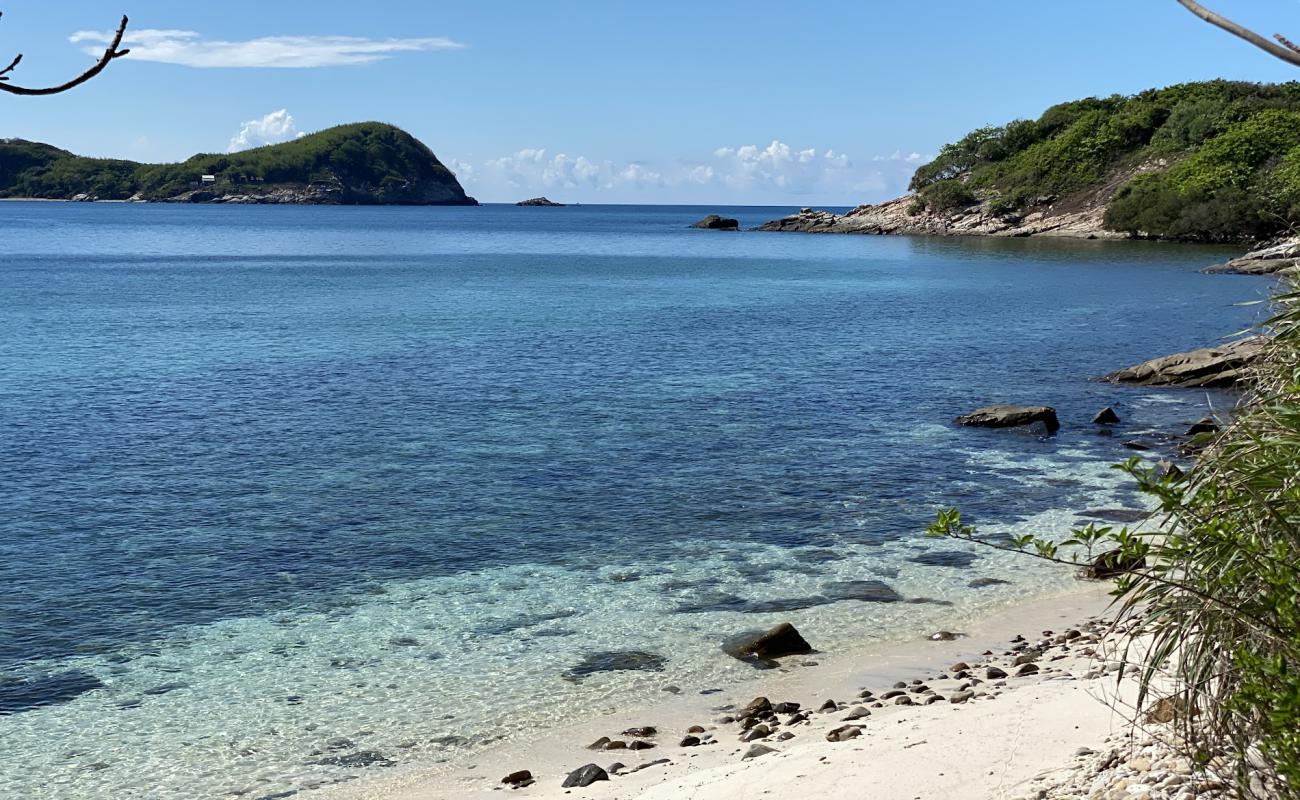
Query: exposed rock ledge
[
  {"x": 1210, "y": 367},
  {"x": 1270, "y": 260},
  {"x": 895, "y": 217}
]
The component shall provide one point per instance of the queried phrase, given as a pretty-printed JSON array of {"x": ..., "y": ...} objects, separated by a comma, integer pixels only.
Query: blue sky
[{"x": 757, "y": 102}]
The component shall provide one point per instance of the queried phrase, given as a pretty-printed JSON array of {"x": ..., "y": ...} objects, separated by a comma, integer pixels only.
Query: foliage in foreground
[
  {"x": 363, "y": 153},
  {"x": 1219, "y": 592},
  {"x": 1219, "y": 161}
]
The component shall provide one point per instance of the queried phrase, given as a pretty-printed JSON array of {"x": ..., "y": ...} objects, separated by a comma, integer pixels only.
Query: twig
[{"x": 113, "y": 52}]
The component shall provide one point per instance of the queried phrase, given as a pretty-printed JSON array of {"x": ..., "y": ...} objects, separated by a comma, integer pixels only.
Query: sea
[{"x": 294, "y": 496}]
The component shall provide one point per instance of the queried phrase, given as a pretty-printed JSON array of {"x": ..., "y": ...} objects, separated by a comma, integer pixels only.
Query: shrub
[{"x": 947, "y": 195}]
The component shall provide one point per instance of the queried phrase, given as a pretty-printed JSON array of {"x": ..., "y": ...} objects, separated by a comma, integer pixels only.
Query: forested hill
[
  {"x": 1217, "y": 161},
  {"x": 363, "y": 163}
]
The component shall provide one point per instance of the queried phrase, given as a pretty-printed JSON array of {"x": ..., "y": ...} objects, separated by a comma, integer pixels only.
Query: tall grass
[{"x": 1216, "y": 600}]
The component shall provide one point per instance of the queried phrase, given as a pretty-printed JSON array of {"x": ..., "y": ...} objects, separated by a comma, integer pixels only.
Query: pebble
[{"x": 756, "y": 750}]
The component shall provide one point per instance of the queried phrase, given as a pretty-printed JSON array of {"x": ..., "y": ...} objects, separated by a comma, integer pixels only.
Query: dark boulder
[
  {"x": 585, "y": 776},
  {"x": 1106, "y": 416},
  {"x": 518, "y": 779},
  {"x": 1111, "y": 564},
  {"x": 783, "y": 640},
  {"x": 713, "y": 222},
  {"x": 1008, "y": 416},
  {"x": 1203, "y": 426}
]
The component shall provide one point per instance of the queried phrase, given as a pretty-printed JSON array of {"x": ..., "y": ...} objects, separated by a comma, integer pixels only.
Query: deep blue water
[{"x": 217, "y": 411}]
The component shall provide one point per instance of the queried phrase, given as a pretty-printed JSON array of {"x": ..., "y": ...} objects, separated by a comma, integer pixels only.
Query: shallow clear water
[{"x": 275, "y": 476}]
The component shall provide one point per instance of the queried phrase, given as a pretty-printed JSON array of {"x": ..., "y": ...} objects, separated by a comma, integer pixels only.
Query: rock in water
[
  {"x": 28, "y": 694},
  {"x": 1106, "y": 416},
  {"x": 615, "y": 661},
  {"x": 585, "y": 776},
  {"x": 540, "y": 201},
  {"x": 713, "y": 222},
  {"x": 1008, "y": 416},
  {"x": 1211, "y": 367},
  {"x": 783, "y": 640},
  {"x": 1206, "y": 425}
]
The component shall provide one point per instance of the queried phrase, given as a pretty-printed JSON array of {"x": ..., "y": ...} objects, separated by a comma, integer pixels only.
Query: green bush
[
  {"x": 1220, "y": 139},
  {"x": 946, "y": 196}
]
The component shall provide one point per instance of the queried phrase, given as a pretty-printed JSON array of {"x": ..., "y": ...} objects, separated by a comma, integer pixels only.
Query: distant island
[
  {"x": 540, "y": 201},
  {"x": 367, "y": 163},
  {"x": 1214, "y": 161}
]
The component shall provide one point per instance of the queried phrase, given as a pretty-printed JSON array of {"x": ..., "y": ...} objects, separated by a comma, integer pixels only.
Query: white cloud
[
  {"x": 777, "y": 173},
  {"x": 190, "y": 49},
  {"x": 906, "y": 158},
  {"x": 278, "y": 126}
]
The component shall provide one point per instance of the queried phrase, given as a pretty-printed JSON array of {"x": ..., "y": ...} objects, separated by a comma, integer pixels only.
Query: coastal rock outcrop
[
  {"x": 713, "y": 222},
  {"x": 1009, "y": 416},
  {"x": 1271, "y": 260},
  {"x": 543, "y": 202},
  {"x": 1209, "y": 367},
  {"x": 902, "y": 216}
]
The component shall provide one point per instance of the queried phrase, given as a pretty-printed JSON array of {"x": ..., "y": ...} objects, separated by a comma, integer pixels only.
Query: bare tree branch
[
  {"x": 113, "y": 52},
  {"x": 1287, "y": 43},
  {"x": 1285, "y": 51}
]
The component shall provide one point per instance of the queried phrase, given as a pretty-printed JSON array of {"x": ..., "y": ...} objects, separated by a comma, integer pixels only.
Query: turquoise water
[{"x": 278, "y": 477}]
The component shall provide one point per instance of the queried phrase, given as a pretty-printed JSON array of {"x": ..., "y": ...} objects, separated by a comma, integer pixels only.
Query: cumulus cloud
[
  {"x": 190, "y": 49},
  {"x": 775, "y": 173},
  {"x": 278, "y": 126}
]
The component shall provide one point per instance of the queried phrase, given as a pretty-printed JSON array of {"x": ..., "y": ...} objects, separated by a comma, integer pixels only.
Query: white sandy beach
[{"x": 1012, "y": 733}]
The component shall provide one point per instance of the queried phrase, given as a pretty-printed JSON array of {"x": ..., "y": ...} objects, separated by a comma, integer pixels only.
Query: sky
[{"x": 758, "y": 102}]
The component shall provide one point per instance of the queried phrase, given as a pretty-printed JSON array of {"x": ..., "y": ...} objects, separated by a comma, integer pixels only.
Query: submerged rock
[
  {"x": 782, "y": 640},
  {"x": 24, "y": 694},
  {"x": 945, "y": 558},
  {"x": 615, "y": 661},
  {"x": 868, "y": 591},
  {"x": 713, "y": 222},
  {"x": 1209, "y": 367},
  {"x": 1009, "y": 416}
]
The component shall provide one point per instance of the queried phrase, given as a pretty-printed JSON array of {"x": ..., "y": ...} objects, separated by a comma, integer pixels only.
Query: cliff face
[
  {"x": 897, "y": 217},
  {"x": 362, "y": 164}
]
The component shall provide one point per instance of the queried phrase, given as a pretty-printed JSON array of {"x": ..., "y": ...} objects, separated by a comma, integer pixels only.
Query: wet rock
[
  {"x": 713, "y": 222},
  {"x": 1210, "y": 367},
  {"x": 518, "y": 780},
  {"x": 1206, "y": 425},
  {"x": 585, "y": 776},
  {"x": 1009, "y": 416},
  {"x": 1120, "y": 515},
  {"x": 641, "y": 732},
  {"x": 786, "y": 708},
  {"x": 641, "y": 744},
  {"x": 782, "y": 640},
  {"x": 756, "y": 750},
  {"x": 868, "y": 591},
  {"x": 1106, "y": 416},
  {"x": 1137, "y": 444},
  {"x": 599, "y": 744},
  {"x": 980, "y": 583},
  {"x": 945, "y": 636},
  {"x": 615, "y": 661},
  {"x": 1112, "y": 563},
  {"x": 995, "y": 673}
]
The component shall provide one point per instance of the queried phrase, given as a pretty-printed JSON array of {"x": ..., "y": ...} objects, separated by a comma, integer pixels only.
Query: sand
[{"x": 1016, "y": 737}]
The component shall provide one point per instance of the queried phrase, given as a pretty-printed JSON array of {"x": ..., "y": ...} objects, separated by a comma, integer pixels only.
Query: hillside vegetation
[
  {"x": 363, "y": 162},
  {"x": 1217, "y": 161}
]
